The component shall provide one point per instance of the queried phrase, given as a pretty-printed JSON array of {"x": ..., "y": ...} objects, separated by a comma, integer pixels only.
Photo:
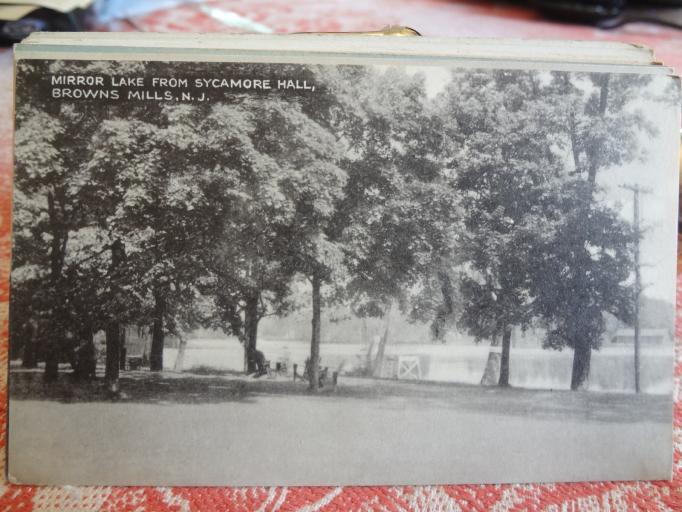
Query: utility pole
[
  {"x": 636, "y": 191},
  {"x": 638, "y": 283}
]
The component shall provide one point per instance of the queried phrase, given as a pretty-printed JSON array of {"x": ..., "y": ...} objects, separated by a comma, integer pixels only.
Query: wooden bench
[
  {"x": 135, "y": 362},
  {"x": 323, "y": 375}
]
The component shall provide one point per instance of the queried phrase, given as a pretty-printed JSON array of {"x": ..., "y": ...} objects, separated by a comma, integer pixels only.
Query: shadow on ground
[{"x": 214, "y": 387}]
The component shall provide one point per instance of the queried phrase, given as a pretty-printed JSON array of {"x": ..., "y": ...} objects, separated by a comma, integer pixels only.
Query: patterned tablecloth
[{"x": 431, "y": 17}]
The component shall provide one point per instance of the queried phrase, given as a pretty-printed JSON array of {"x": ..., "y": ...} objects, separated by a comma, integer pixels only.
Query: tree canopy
[{"x": 476, "y": 207}]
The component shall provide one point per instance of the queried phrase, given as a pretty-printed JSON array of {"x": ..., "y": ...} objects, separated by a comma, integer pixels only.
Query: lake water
[{"x": 612, "y": 368}]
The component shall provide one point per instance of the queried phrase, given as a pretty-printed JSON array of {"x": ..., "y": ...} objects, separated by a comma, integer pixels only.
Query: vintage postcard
[{"x": 253, "y": 273}]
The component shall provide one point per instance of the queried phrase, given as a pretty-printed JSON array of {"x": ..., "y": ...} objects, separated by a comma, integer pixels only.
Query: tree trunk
[
  {"x": 367, "y": 370},
  {"x": 314, "y": 373},
  {"x": 85, "y": 358},
  {"x": 504, "y": 360},
  {"x": 113, "y": 341},
  {"x": 381, "y": 349},
  {"x": 582, "y": 354},
  {"x": 29, "y": 357},
  {"x": 444, "y": 314},
  {"x": 70, "y": 352},
  {"x": 55, "y": 333},
  {"x": 250, "y": 332},
  {"x": 583, "y": 346},
  {"x": 113, "y": 328},
  {"x": 156, "y": 356},
  {"x": 491, "y": 374},
  {"x": 180, "y": 358},
  {"x": 52, "y": 357},
  {"x": 123, "y": 353}
]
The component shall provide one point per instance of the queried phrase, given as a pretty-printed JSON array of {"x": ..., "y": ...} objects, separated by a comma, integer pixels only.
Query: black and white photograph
[{"x": 239, "y": 273}]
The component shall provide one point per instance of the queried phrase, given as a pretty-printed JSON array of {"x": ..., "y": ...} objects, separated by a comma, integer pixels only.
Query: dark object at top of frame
[
  {"x": 43, "y": 20},
  {"x": 613, "y": 13}
]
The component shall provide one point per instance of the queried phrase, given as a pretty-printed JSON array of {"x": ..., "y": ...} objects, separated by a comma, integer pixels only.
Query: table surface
[{"x": 431, "y": 18}]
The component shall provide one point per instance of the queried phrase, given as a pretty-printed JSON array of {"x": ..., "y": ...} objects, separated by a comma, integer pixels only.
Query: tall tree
[
  {"x": 505, "y": 172},
  {"x": 398, "y": 218},
  {"x": 48, "y": 181},
  {"x": 267, "y": 152},
  {"x": 313, "y": 184},
  {"x": 52, "y": 210},
  {"x": 160, "y": 204},
  {"x": 601, "y": 126}
]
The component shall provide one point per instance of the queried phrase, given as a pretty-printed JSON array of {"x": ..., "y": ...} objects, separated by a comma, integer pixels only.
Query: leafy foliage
[{"x": 477, "y": 208}]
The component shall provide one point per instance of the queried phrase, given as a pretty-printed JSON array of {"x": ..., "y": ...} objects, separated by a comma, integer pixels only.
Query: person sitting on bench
[{"x": 256, "y": 358}]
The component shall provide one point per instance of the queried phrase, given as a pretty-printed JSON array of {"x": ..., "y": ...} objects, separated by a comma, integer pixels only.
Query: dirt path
[{"x": 227, "y": 431}]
